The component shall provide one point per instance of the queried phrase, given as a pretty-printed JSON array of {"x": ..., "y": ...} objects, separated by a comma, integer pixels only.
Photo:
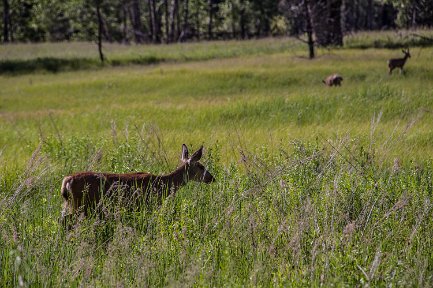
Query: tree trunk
[
  {"x": 355, "y": 15},
  {"x": 369, "y": 15},
  {"x": 326, "y": 22},
  {"x": 233, "y": 20},
  {"x": 167, "y": 26},
  {"x": 136, "y": 21},
  {"x": 150, "y": 18},
  {"x": 184, "y": 34},
  {"x": 178, "y": 22},
  {"x": 6, "y": 21},
  {"x": 260, "y": 23},
  {"x": 210, "y": 24},
  {"x": 334, "y": 20},
  {"x": 309, "y": 29},
  {"x": 197, "y": 22},
  {"x": 156, "y": 23},
  {"x": 125, "y": 22},
  {"x": 242, "y": 22},
  {"x": 319, "y": 17},
  {"x": 414, "y": 16},
  {"x": 105, "y": 31},
  {"x": 173, "y": 12},
  {"x": 99, "y": 16}
]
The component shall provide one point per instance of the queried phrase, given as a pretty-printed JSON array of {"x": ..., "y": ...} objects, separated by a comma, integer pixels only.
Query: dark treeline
[{"x": 168, "y": 21}]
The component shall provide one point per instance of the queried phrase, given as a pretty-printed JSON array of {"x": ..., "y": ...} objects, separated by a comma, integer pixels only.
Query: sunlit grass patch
[{"x": 315, "y": 185}]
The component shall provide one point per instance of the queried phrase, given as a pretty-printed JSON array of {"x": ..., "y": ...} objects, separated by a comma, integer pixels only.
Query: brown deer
[
  {"x": 398, "y": 62},
  {"x": 83, "y": 191},
  {"x": 333, "y": 80}
]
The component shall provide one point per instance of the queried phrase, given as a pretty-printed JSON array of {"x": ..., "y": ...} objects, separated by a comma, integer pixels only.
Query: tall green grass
[
  {"x": 299, "y": 216},
  {"x": 315, "y": 185},
  {"x": 278, "y": 95}
]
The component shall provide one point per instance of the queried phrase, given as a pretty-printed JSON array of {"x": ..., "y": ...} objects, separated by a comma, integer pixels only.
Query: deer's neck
[{"x": 173, "y": 181}]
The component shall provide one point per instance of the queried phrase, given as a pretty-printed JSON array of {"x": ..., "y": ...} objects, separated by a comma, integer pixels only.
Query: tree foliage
[{"x": 143, "y": 21}]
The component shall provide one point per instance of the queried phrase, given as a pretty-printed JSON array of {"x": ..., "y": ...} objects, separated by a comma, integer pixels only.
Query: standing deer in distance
[
  {"x": 398, "y": 62},
  {"x": 84, "y": 190},
  {"x": 333, "y": 80}
]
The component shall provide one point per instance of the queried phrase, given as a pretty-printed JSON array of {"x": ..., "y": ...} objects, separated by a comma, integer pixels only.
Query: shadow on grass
[
  {"x": 148, "y": 60},
  {"x": 46, "y": 64},
  {"x": 54, "y": 65},
  {"x": 394, "y": 44}
]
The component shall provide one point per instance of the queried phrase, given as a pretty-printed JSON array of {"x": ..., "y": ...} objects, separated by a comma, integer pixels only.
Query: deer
[
  {"x": 83, "y": 191},
  {"x": 333, "y": 80},
  {"x": 398, "y": 62}
]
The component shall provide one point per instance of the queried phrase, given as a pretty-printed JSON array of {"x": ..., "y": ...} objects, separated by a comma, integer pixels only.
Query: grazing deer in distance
[
  {"x": 398, "y": 62},
  {"x": 82, "y": 191},
  {"x": 333, "y": 80}
]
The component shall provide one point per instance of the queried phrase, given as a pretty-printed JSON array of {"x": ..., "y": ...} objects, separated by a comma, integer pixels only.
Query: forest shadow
[
  {"x": 48, "y": 64},
  {"x": 55, "y": 65},
  {"x": 394, "y": 44}
]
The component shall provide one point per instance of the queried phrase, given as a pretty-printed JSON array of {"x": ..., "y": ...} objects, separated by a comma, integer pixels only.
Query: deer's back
[
  {"x": 89, "y": 186},
  {"x": 396, "y": 62}
]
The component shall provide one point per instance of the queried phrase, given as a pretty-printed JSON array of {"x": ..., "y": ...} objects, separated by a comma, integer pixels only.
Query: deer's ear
[
  {"x": 184, "y": 156},
  {"x": 197, "y": 155}
]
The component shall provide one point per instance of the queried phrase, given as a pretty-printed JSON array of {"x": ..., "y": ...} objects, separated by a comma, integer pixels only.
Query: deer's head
[
  {"x": 406, "y": 53},
  {"x": 195, "y": 170}
]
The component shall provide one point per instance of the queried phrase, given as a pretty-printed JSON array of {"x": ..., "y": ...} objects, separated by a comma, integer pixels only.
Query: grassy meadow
[{"x": 315, "y": 185}]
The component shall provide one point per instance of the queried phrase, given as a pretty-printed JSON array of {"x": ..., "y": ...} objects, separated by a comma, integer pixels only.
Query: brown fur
[
  {"x": 398, "y": 62},
  {"x": 83, "y": 191},
  {"x": 333, "y": 80}
]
